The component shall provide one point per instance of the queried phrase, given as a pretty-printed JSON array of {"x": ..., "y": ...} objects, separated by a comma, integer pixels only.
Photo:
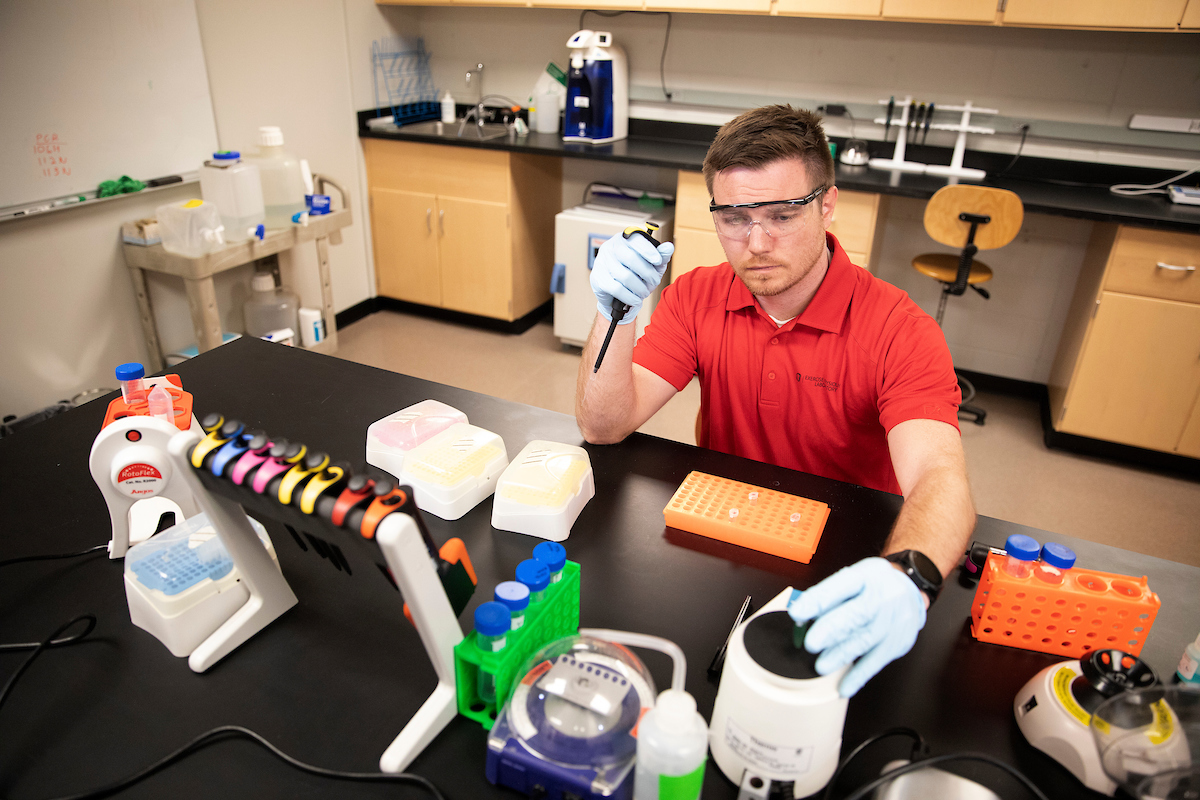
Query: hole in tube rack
[
  {"x": 1011, "y": 621},
  {"x": 1097, "y": 622},
  {"x": 1051, "y": 627},
  {"x": 1092, "y": 634},
  {"x": 1016, "y": 608},
  {"x": 1066, "y": 644},
  {"x": 1060, "y": 602},
  {"x": 1027, "y": 636},
  {"x": 1056, "y": 615},
  {"x": 1111, "y": 639},
  {"x": 1102, "y": 609},
  {"x": 1020, "y": 595},
  {"x": 477, "y": 707},
  {"x": 1143, "y": 616},
  {"x": 1035, "y": 611},
  {"x": 1040, "y": 599},
  {"x": 1133, "y": 642},
  {"x": 1127, "y": 589},
  {"x": 1081, "y": 606},
  {"x": 1046, "y": 640},
  {"x": 1092, "y": 583},
  {"x": 991, "y": 617},
  {"x": 1138, "y": 629},
  {"x": 987, "y": 630},
  {"x": 1008, "y": 633},
  {"x": 1071, "y": 631},
  {"x": 1122, "y": 614},
  {"x": 1031, "y": 624},
  {"x": 1076, "y": 618},
  {"x": 1087, "y": 647}
]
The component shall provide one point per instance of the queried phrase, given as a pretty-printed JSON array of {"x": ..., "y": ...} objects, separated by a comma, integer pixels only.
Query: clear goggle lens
[{"x": 776, "y": 218}]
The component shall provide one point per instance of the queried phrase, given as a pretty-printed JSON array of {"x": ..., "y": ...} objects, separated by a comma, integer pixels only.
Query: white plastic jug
[
  {"x": 192, "y": 228},
  {"x": 235, "y": 187},
  {"x": 270, "y": 308},
  {"x": 282, "y": 181}
]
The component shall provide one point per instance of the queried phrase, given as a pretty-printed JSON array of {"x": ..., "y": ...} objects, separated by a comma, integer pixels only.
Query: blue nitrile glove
[
  {"x": 628, "y": 270},
  {"x": 869, "y": 609}
]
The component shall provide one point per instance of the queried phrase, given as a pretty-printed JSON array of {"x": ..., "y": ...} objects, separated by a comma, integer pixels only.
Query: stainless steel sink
[{"x": 483, "y": 132}]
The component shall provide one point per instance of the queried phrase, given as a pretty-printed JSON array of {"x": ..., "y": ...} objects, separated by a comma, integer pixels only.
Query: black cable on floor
[
  {"x": 227, "y": 732},
  {"x": 23, "y": 559}
]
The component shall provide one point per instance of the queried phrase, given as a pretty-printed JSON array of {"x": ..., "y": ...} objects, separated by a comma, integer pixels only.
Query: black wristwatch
[{"x": 923, "y": 572}]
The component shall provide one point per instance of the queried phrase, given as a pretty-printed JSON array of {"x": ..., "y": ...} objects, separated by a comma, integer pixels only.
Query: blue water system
[{"x": 597, "y": 90}]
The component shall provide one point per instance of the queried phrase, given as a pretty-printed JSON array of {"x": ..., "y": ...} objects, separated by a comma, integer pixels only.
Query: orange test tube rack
[
  {"x": 1089, "y": 610},
  {"x": 180, "y": 400},
  {"x": 781, "y": 524}
]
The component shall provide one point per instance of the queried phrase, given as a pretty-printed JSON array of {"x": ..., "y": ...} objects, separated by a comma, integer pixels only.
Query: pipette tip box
[
  {"x": 777, "y": 523},
  {"x": 543, "y": 490},
  {"x": 455, "y": 470},
  {"x": 390, "y": 438}
]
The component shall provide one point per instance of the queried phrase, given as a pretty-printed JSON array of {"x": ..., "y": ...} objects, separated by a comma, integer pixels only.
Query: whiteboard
[{"x": 96, "y": 89}]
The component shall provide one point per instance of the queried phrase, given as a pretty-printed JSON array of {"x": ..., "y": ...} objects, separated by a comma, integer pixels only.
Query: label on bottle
[
  {"x": 769, "y": 757},
  {"x": 1187, "y": 668},
  {"x": 681, "y": 787}
]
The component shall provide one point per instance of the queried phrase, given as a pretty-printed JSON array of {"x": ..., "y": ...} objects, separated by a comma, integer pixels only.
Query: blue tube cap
[
  {"x": 130, "y": 371},
  {"x": 1023, "y": 547},
  {"x": 514, "y": 595},
  {"x": 1058, "y": 555},
  {"x": 552, "y": 554},
  {"x": 533, "y": 574},
  {"x": 492, "y": 619},
  {"x": 227, "y": 155}
]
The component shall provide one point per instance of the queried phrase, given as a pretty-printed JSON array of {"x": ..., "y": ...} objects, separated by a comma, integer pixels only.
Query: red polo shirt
[{"x": 818, "y": 394}]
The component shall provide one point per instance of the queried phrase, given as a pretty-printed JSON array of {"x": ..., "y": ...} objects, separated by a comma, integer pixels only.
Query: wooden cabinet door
[
  {"x": 476, "y": 257},
  {"x": 734, "y": 6},
  {"x": 695, "y": 248},
  {"x": 1139, "y": 373},
  {"x": 836, "y": 8},
  {"x": 1095, "y": 13},
  {"x": 1191, "y": 15},
  {"x": 948, "y": 10},
  {"x": 404, "y": 231},
  {"x": 1189, "y": 443}
]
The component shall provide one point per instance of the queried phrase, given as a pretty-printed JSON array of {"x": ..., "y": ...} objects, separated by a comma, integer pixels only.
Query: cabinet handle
[
  {"x": 429, "y": 220},
  {"x": 441, "y": 222},
  {"x": 1173, "y": 268}
]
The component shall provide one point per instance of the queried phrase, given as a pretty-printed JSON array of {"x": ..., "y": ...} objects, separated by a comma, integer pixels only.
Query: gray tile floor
[{"x": 1013, "y": 475}]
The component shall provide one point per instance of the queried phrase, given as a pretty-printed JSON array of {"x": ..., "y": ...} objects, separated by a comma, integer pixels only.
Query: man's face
[{"x": 771, "y": 265}]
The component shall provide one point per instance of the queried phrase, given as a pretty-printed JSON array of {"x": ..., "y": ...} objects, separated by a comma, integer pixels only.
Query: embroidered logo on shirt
[{"x": 832, "y": 386}]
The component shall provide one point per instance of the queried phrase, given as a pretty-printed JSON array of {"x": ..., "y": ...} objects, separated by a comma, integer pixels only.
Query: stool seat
[{"x": 944, "y": 267}]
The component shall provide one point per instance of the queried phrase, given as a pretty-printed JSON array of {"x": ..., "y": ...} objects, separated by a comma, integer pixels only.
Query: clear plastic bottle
[
  {"x": 1022, "y": 552},
  {"x": 1055, "y": 561},
  {"x": 130, "y": 375},
  {"x": 672, "y": 747},
  {"x": 235, "y": 187},
  {"x": 282, "y": 180},
  {"x": 554, "y": 556},
  {"x": 515, "y": 596},
  {"x": 491, "y": 634},
  {"x": 449, "y": 110},
  {"x": 1189, "y": 663},
  {"x": 536, "y": 576},
  {"x": 270, "y": 308}
]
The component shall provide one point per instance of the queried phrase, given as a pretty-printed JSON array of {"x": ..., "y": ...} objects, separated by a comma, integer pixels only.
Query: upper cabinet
[
  {"x": 1191, "y": 15},
  {"x": 832, "y": 8},
  {"x": 1096, "y": 13},
  {"x": 942, "y": 10}
]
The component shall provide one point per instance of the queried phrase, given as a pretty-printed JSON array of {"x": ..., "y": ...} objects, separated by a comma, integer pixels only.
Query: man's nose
[{"x": 759, "y": 241}]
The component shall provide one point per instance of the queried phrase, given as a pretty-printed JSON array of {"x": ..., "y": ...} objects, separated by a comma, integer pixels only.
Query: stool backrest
[{"x": 1004, "y": 207}]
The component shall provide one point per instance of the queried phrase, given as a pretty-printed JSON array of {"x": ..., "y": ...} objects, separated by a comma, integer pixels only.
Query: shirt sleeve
[
  {"x": 917, "y": 379},
  {"x": 668, "y": 345}
]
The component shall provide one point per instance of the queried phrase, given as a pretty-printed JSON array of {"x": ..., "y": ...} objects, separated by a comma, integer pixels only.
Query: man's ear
[{"x": 828, "y": 202}]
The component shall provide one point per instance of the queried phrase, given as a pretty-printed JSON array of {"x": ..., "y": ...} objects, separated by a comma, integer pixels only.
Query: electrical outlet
[{"x": 1146, "y": 122}]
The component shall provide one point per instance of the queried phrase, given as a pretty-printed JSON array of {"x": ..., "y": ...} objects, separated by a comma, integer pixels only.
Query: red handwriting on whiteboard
[{"x": 50, "y": 155}]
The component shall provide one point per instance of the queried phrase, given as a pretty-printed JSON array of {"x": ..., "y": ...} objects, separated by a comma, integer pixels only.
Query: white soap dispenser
[
  {"x": 448, "y": 108},
  {"x": 672, "y": 749}
]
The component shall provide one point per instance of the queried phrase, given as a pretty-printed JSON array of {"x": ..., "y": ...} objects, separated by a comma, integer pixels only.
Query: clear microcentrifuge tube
[
  {"x": 753, "y": 498},
  {"x": 733, "y": 512},
  {"x": 554, "y": 556},
  {"x": 491, "y": 635},
  {"x": 795, "y": 518}
]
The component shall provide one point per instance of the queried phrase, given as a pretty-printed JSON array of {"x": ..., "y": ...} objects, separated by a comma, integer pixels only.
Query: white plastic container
[
  {"x": 390, "y": 438},
  {"x": 543, "y": 490},
  {"x": 270, "y": 307},
  {"x": 449, "y": 111},
  {"x": 672, "y": 748},
  {"x": 312, "y": 327},
  {"x": 282, "y": 181},
  {"x": 192, "y": 228},
  {"x": 455, "y": 470},
  {"x": 235, "y": 187}
]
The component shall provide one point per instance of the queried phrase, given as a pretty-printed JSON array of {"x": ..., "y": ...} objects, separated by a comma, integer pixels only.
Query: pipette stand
[
  {"x": 129, "y": 462},
  {"x": 408, "y": 559},
  {"x": 956, "y": 169},
  {"x": 270, "y": 594}
]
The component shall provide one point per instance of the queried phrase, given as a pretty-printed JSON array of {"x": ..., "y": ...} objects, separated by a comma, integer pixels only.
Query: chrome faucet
[{"x": 476, "y": 73}]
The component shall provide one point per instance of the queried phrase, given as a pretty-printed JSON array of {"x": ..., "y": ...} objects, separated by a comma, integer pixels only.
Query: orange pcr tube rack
[
  {"x": 1089, "y": 610},
  {"x": 750, "y": 516}
]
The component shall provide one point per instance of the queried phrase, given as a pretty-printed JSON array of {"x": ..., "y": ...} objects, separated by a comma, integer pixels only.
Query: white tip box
[
  {"x": 390, "y": 438},
  {"x": 543, "y": 490},
  {"x": 455, "y": 470}
]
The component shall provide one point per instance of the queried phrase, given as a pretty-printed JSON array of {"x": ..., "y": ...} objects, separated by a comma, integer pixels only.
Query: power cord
[
  {"x": 49, "y": 641},
  {"x": 890, "y": 775},
  {"x": 920, "y": 750},
  {"x": 227, "y": 732},
  {"x": 1133, "y": 189},
  {"x": 23, "y": 559},
  {"x": 662, "y": 61}
]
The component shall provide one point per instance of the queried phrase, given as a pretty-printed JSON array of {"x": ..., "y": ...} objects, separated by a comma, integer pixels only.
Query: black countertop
[
  {"x": 1046, "y": 186},
  {"x": 334, "y": 679}
]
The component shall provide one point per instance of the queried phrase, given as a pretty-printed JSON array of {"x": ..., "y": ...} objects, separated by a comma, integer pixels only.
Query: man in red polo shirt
[{"x": 805, "y": 361}]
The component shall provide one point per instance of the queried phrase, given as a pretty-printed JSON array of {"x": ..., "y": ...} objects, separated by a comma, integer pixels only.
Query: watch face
[{"x": 926, "y": 568}]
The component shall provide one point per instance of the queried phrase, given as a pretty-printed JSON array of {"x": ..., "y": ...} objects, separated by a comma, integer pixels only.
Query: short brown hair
[{"x": 767, "y": 134}]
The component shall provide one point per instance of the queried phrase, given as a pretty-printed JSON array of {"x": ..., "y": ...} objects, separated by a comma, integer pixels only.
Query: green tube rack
[{"x": 555, "y": 617}]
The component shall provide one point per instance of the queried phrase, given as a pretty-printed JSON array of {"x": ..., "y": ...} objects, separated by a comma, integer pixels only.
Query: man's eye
[
  {"x": 736, "y": 219},
  {"x": 783, "y": 217}
]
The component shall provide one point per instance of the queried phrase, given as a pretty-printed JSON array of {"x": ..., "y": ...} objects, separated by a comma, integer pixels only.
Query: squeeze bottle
[
  {"x": 282, "y": 181},
  {"x": 672, "y": 748},
  {"x": 448, "y": 108},
  {"x": 491, "y": 634}
]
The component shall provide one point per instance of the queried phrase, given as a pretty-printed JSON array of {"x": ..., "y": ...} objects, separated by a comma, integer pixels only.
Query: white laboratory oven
[{"x": 578, "y": 234}]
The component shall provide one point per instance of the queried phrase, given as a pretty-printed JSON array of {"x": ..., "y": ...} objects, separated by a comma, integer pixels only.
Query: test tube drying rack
[{"x": 956, "y": 169}]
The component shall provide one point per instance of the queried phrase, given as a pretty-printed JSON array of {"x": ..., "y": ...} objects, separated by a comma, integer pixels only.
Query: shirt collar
[{"x": 827, "y": 310}]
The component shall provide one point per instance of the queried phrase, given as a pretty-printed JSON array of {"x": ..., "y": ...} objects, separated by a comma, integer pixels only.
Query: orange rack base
[
  {"x": 750, "y": 516},
  {"x": 181, "y": 400},
  {"x": 1087, "y": 611}
]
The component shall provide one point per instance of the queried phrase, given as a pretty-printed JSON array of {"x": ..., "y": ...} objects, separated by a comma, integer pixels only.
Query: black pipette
[
  {"x": 619, "y": 309},
  {"x": 928, "y": 119},
  {"x": 887, "y": 123}
]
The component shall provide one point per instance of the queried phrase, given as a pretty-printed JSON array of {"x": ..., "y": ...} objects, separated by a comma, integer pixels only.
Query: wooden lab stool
[{"x": 973, "y": 218}]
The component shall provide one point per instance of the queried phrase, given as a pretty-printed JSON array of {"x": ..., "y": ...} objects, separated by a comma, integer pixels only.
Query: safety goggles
[{"x": 781, "y": 217}]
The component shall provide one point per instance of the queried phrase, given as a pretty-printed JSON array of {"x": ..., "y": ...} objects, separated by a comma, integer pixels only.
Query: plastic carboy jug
[
  {"x": 270, "y": 308},
  {"x": 282, "y": 181},
  {"x": 234, "y": 186}
]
